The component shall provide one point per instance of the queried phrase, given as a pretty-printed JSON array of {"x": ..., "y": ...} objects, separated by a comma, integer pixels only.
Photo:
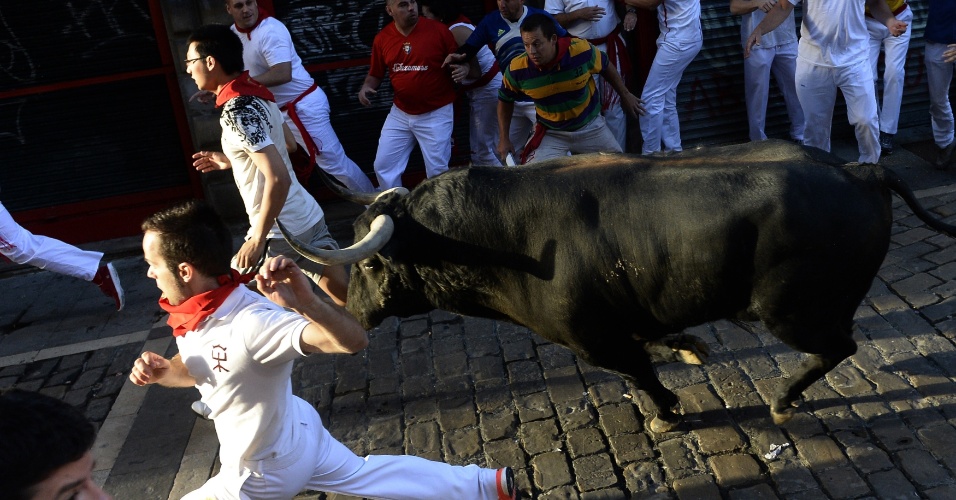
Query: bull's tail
[{"x": 896, "y": 184}]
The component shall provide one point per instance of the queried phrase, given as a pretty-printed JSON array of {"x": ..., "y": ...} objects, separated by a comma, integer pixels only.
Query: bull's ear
[{"x": 387, "y": 253}]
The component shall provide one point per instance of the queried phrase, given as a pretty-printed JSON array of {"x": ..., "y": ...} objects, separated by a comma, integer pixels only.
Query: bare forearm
[
  {"x": 774, "y": 17},
  {"x": 505, "y": 112},
  {"x": 331, "y": 328},
  {"x": 614, "y": 78},
  {"x": 372, "y": 82},
  {"x": 177, "y": 374},
  {"x": 276, "y": 75},
  {"x": 274, "y": 195},
  {"x": 565, "y": 19},
  {"x": 880, "y": 11},
  {"x": 741, "y": 7}
]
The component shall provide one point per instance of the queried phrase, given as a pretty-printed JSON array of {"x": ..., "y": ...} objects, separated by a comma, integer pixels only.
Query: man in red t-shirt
[{"x": 413, "y": 49}]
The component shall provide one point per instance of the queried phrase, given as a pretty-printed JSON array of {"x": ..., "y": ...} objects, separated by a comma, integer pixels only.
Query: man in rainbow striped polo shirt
[{"x": 556, "y": 73}]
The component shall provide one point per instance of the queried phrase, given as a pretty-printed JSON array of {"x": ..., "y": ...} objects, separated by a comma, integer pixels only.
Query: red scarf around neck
[
  {"x": 187, "y": 316},
  {"x": 243, "y": 85},
  {"x": 263, "y": 13},
  {"x": 564, "y": 42}
]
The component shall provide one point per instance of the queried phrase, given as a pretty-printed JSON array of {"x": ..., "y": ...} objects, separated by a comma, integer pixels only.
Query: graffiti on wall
[
  {"x": 48, "y": 41},
  {"x": 332, "y": 31}
]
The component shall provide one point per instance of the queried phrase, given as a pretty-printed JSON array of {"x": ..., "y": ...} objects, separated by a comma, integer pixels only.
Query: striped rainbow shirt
[{"x": 564, "y": 94}]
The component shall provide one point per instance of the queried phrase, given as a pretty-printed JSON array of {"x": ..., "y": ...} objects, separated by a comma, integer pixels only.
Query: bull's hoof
[
  {"x": 660, "y": 424},
  {"x": 782, "y": 416},
  {"x": 692, "y": 350},
  {"x": 692, "y": 357}
]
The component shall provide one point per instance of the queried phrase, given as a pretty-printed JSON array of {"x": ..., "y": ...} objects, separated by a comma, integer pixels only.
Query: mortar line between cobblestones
[
  {"x": 66, "y": 350},
  {"x": 936, "y": 191}
]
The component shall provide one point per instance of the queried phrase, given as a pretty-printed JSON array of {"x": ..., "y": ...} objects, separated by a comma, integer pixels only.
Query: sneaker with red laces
[
  {"x": 109, "y": 283},
  {"x": 505, "y": 480}
]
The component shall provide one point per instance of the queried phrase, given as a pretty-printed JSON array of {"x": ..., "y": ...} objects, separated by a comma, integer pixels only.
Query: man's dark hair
[
  {"x": 218, "y": 41},
  {"x": 447, "y": 11},
  {"x": 193, "y": 232},
  {"x": 542, "y": 22},
  {"x": 38, "y": 435}
]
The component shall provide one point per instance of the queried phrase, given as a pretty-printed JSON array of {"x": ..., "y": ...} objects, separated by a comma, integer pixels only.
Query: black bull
[{"x": 607, "y": 254}]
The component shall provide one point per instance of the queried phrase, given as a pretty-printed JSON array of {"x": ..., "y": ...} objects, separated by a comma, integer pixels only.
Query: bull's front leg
[
  {"x": 633, "y": 362},
  {"x": 685, "y": 348}
]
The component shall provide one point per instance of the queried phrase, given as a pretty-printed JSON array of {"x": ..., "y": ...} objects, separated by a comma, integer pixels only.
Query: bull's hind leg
[
  {"x": 633, "y": 362},
  {"x": 827, "y": 346}
]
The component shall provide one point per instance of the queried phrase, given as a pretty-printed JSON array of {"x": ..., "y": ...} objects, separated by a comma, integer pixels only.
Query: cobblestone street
[{"x": 467, "y": 390}]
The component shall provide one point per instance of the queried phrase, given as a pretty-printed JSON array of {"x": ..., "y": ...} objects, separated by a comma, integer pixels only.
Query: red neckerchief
[
  {"x": 187, "y": 316},
  {"x": 564, "y": 42},
  {"x": 263, "y": 13},
  {"x": 243, "y": 85}
]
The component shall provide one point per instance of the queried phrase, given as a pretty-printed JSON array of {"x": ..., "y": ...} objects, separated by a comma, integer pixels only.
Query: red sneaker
[
  {"x": 109, "y": 283},
  {"x": 506, "y": 484}
]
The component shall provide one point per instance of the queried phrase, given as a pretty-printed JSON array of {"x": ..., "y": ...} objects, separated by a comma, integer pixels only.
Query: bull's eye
[{"x": 371, "y": 264}]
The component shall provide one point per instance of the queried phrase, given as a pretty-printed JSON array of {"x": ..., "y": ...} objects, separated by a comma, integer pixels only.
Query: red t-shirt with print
[{"x": 414, "y": 64}]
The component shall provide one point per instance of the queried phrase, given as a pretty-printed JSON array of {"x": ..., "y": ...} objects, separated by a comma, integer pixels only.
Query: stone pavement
[{"x": 468, "y": 390}]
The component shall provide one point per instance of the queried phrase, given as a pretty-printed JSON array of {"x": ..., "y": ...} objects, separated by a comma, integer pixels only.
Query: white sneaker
[{"x": 201, "y": 409}]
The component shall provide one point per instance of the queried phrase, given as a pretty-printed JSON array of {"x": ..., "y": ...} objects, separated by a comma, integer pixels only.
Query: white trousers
[
  {"x": 313, "y": 111},
  {"x": 594, "y": 137},
  {"x": 939, "y": 75},
  {"x": 432, "y": 131},
  {"x": 522, "y": 124},
  {"x": 660, "y": 123},
  {"x": 894, "y": 60},
  {"x": 816, "y": 89},
  {"x": 23, "y": 247},
  {"x": 320, "y": 462},
  {"x": 483, "y": 130},
  {"x": 781, "y": 61}
]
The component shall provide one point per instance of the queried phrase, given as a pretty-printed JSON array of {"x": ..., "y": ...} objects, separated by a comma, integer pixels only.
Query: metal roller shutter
[{"x": 87, "y": 119}]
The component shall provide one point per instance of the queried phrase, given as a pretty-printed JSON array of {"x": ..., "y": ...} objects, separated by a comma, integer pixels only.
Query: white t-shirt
[
  {"x": 271, "y": 44},
  {"x": 586, "y": 29},
  {"x": 679, "y": 20},
  {"x": 833, "y": 32},
  {"x": 242, "y": 357},
  {"x": 250, "y": 124},
  {"x": 781, "y": 35}
]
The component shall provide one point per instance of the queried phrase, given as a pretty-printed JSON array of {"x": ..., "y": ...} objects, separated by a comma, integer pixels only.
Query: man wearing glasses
[{"x": 252, "y": 127}]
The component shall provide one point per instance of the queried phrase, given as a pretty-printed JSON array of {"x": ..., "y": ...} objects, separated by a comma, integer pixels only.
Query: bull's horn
[
  {"x": 378, "y": 235},
  {"x": 398, "y": 190}
]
